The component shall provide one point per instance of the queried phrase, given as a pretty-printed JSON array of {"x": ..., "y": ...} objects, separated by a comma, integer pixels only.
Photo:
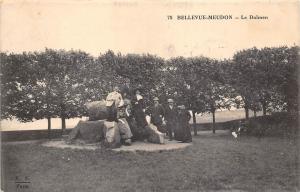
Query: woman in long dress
[
  {"x": 183, "y": 131},
  {"x": 138, "y": 110}
]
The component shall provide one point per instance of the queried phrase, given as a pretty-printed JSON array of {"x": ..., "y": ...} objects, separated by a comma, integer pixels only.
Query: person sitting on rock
[
  {"x": 123, "y": 125},
  {"x": 157, "y": 113},
  {"x": 131, "y": 121},
  {"x": 114, "y": 100}
]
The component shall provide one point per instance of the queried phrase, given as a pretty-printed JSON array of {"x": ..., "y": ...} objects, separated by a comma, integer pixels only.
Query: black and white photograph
[{"x": 149, "y": 96}]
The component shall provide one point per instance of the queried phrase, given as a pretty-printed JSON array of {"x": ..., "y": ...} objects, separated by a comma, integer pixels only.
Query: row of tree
[
  {"x": 254, "y": 79},
  {"x": 57, "y": 83}
]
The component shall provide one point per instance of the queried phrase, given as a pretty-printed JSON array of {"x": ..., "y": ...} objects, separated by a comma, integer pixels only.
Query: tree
[
  {"x": 289, "y": 87},
  {"x": 141, "y": 71},
  {"x": 17, "y": 80},
  {"x": 183, "y": 85},
  {"x": 269, "y": 65},
  {"x": 198, "y": 82},
  {"x": 263, "y": 76},
  {"x": 109, "y": 64},
  {"x": 214, "y": 93},
  {"x": 60, "y": 82},
  {"x": 247, "y": 80}
]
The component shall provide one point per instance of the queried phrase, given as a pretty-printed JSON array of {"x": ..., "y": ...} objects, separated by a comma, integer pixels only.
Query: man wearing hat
[
  {"x": 157, "y": 114},
  {"x": 170, "y": 118}
]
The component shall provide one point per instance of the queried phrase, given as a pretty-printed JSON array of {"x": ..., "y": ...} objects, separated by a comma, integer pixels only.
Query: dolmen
[{"x": 111, "y": 134}]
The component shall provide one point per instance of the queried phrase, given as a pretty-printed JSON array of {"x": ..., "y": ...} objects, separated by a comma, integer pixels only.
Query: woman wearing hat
[
  {"x": 183, "y": 131},
  {"x": 139, "y": 114}
]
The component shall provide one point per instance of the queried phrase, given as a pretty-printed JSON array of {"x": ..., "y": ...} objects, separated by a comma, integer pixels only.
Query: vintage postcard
[{"x": 149, "y": 95}]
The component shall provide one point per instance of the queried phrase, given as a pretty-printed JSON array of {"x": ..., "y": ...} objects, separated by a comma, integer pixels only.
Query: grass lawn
[{"x": 212, "y": 163}]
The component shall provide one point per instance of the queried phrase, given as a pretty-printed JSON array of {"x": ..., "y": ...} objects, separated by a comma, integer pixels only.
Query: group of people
[{"x": 170, "y": 119}]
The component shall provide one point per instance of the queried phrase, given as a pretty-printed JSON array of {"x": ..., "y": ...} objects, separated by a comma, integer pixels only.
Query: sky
[{"x": 142, "y": 26}]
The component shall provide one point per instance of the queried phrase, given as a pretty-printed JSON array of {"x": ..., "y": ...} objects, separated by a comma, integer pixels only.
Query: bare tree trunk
[
  {"x": 49, "y": 127},
  {"x": 255, "y": 115},
  {"x": 48, "y": 113},
  {"x": 246, "y": 113},
  {"x": 214, "y": 121},
  {"x": 63, "y": 119},
  {"x": 264, "y": 107},
  {"x": 63, "y": 124},
  {"x": 194, "y": 123}
]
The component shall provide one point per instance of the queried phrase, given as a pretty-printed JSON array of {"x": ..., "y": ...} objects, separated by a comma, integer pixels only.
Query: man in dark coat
[
  {"x": 170, "y": 118},
  {"x": 183, "y": 131},
  {"x": 157, "y": 114}
]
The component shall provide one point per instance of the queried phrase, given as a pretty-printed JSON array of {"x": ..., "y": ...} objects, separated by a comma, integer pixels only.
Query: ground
[
  {"x": 213, "y": 163},
  {"x": 135, "y": 146}
]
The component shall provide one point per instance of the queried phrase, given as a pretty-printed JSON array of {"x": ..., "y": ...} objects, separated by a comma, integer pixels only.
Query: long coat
[
  {"x": 170, "y": 114},
  {"x": 157, "y": 113},
  {"x": 170, "y": 117},
  {"x": 182, "y": 131},
  {"x": 138, "y": 112},
  {"x": 138, "y": 132}
]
